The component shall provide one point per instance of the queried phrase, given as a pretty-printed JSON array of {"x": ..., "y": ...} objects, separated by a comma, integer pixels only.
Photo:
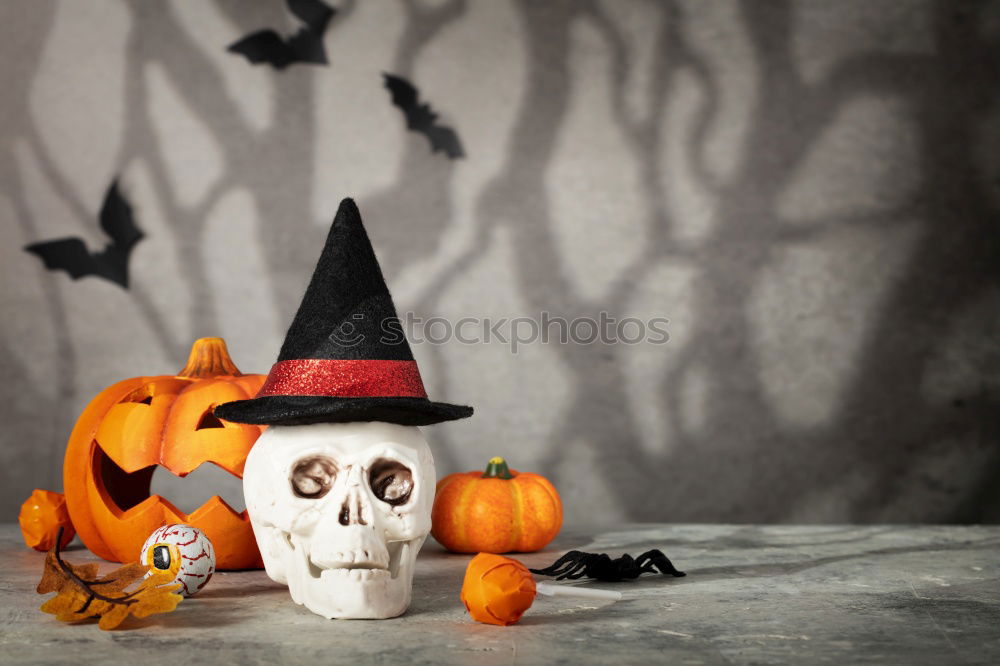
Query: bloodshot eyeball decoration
[{"x": 184, "y": 551}]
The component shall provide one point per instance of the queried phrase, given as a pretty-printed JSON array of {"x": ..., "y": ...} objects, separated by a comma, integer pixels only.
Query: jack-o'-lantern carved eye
[
  {"x": 143, "y": 396},
  {"x": 209, "y": 420},
  {"x": 313, "y": 477}
]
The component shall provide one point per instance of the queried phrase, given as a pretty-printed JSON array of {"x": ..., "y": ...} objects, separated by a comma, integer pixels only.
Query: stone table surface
[{"x": 753, "y": 594}]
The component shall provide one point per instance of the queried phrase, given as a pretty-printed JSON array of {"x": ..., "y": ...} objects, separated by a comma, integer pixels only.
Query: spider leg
[
  {"x": 583, "y": 567},
  {"x": 653, "y": 560},
  {"x": 565, "y": 563},
  {"x": 644, "y": 563}
]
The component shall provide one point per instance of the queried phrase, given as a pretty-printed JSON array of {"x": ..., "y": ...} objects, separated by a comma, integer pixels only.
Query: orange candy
[
  {"x": 497, "y": 589},
  {"x": 500, "y": 510},
  {"x": 41, "y": 516}
]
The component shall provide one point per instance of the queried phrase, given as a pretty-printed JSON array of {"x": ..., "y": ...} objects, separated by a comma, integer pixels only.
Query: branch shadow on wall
[{"x": 747, "y": 464}]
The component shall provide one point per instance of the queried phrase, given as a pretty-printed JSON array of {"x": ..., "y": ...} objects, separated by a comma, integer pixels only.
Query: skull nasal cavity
[{"x": 351, "y": 511}]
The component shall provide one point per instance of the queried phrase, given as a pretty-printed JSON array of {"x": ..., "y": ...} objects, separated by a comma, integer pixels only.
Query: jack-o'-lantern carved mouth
[{"x": 125, "y": 493}]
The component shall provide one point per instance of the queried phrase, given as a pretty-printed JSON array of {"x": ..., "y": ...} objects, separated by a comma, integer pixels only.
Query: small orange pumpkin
[
  {"x": 139, "y": 424},
  {"x": 496, "y": 511}
]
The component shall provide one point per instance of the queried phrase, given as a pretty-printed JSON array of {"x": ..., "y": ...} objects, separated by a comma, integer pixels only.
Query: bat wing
[
  {"x": 404, "y": 95},
  {"x": 117, "y": 220},
  {"x": 314, "y": 13},
  {"x": 264, "y": 46},
  {"x": 119, "y": 224},
  {"x": 444, "y": 139},
  {"x": 66, "y": 254}
]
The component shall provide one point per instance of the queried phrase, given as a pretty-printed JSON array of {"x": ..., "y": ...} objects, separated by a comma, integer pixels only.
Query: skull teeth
[
  {"x": 362, "y": 559},
  {"x": 355, "y": 574}
]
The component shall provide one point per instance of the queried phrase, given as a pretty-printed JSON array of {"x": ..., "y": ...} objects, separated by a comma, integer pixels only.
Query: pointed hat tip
[
  {"x": 348, "y": 216},
  {"x": 347, "y": 206}
]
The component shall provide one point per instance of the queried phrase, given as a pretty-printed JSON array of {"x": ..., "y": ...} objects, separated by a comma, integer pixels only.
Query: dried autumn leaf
[{"x": 82, "y": 595}]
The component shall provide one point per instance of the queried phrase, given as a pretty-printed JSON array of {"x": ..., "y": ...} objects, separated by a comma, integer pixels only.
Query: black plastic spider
[{"x": 577, "y": 564}]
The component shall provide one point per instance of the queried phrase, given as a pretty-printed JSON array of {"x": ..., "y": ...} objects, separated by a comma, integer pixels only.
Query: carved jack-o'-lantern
[{"x": 137, "y": 425}]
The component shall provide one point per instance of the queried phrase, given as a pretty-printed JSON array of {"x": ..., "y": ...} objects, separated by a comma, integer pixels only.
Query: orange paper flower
[
  {"x": 497, "y": 589},
  {"x": 41, "y": 516}
]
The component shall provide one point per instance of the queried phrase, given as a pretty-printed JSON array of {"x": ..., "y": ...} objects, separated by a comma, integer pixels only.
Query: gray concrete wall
[{"x": 808, "y": 191}]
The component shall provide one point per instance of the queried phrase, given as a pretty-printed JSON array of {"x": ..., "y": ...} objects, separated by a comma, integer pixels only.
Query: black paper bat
[
  {"x": 111, "y": 263},
  {"x": 577, "y": 564},
  {"x": 306, "y": 45},
  {"x": 420, "y": 118}
]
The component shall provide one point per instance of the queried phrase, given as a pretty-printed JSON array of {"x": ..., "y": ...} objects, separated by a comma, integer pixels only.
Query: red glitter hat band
[{"x": 340, "y": 378}]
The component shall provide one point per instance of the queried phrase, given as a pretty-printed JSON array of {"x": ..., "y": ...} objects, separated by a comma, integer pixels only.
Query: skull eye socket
[
  {"x": 312, "y": 477},
  {"x": 391, "y": 481}
]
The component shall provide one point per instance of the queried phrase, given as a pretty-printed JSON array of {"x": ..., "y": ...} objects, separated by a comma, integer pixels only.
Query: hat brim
[{"x": 306, "y": 409}]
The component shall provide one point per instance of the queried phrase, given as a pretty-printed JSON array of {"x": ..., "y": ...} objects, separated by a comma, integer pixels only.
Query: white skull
[{"x": 339, "y": 511}]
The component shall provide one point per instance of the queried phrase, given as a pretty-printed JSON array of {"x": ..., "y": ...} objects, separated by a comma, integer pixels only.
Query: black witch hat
[{"x": 345, "y": 357}]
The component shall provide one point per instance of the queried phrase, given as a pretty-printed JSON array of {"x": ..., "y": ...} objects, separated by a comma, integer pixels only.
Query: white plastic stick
[{"x": 551, "y": 590}]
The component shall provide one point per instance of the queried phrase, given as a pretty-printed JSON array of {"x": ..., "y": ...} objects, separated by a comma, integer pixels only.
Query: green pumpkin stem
[{"x": 497, "y": 468}]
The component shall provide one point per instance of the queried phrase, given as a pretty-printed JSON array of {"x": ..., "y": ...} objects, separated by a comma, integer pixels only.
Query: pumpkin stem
[
  {"x": 208, "y": 358},
  {"x": 497, "y": 468}
]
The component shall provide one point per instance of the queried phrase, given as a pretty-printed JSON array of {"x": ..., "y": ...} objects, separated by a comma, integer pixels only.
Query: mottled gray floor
[{"x": 815, "y": 594}]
